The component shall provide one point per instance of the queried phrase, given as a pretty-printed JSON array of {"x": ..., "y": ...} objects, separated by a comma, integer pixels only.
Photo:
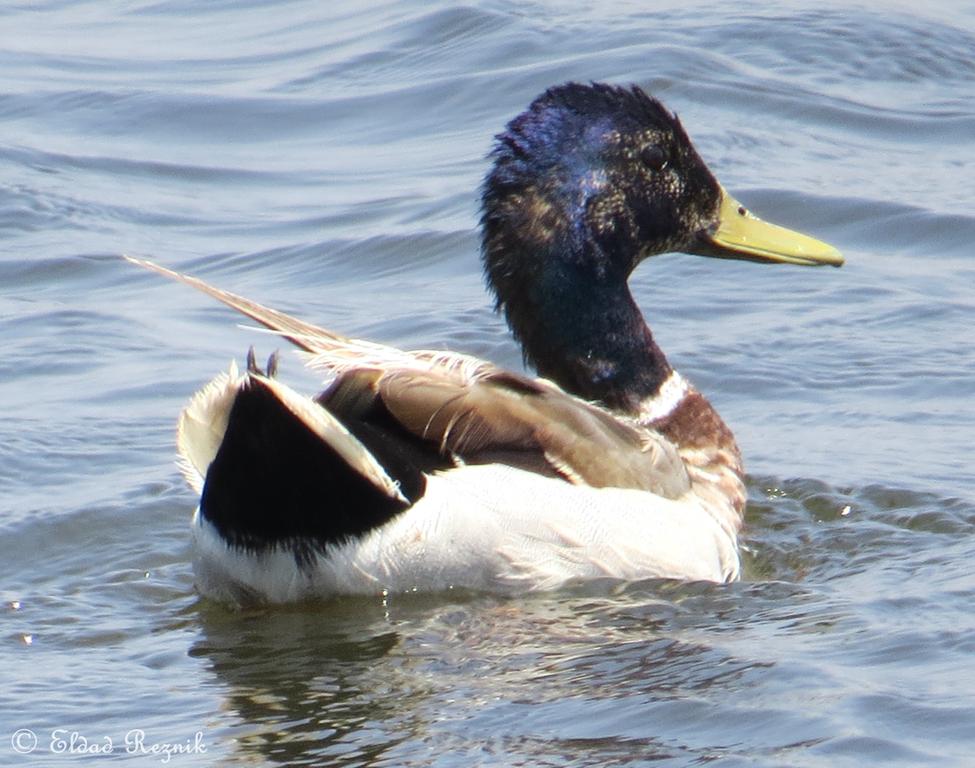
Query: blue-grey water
[{"x": 326, "y": 160}]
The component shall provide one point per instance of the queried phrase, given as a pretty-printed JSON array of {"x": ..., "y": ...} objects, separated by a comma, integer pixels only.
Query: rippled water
[{"x": 327, "y": 162}]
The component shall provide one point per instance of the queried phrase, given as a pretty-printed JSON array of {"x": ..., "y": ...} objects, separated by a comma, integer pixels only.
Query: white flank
[{"x": 488, "y": 527}]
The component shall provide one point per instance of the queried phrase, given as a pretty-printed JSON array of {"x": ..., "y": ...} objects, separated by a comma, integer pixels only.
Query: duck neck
[{"x": 582, "y": 329}]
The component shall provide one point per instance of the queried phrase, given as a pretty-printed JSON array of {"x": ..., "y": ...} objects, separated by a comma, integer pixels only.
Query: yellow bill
[{"x": 740, "y": 235}]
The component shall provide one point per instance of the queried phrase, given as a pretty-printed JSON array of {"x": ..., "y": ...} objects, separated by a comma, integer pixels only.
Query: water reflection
[
  {"x": 589, "y": 671},
  {"x": 300, "y": 680}
]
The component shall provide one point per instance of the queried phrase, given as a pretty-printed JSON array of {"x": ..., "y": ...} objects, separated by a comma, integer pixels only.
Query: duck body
[
  {"x": 484, "y": 527},
  {"x": 429, "y": 470},
  {"x": 500, "y": 523}
]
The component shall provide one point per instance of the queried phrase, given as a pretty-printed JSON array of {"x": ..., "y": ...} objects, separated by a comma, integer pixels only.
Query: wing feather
[
  {"x": 580, "y": 441},
  {"x": 470, "y": 408}
]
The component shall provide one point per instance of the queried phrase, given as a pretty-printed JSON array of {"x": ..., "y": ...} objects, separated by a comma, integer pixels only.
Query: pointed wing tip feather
[
  {"x": 324, "y": 349},
  {"x": 151, "y": 266},
  {"x": 306, "y": 336}
]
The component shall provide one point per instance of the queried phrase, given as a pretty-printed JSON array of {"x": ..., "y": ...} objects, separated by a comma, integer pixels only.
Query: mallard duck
[{"x": 430, "y": 470}]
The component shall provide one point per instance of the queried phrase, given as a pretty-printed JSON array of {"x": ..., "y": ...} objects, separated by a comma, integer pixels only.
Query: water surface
[{"x": 327, "y": 162}]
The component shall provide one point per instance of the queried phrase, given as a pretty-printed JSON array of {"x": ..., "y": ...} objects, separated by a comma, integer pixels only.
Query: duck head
[{"x": 586, "y": 183}]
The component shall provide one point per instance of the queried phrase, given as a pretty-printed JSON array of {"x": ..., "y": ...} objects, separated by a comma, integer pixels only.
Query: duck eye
[{"x": 654, "y": 157}]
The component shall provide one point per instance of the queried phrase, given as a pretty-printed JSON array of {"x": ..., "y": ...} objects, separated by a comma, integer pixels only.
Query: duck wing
[
  {"x": 457, "y": 405},
  {"x": 501, "y": 417}
]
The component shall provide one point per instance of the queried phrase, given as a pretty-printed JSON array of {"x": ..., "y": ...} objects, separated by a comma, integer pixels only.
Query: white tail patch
[{"x": 203, "y": 423}]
